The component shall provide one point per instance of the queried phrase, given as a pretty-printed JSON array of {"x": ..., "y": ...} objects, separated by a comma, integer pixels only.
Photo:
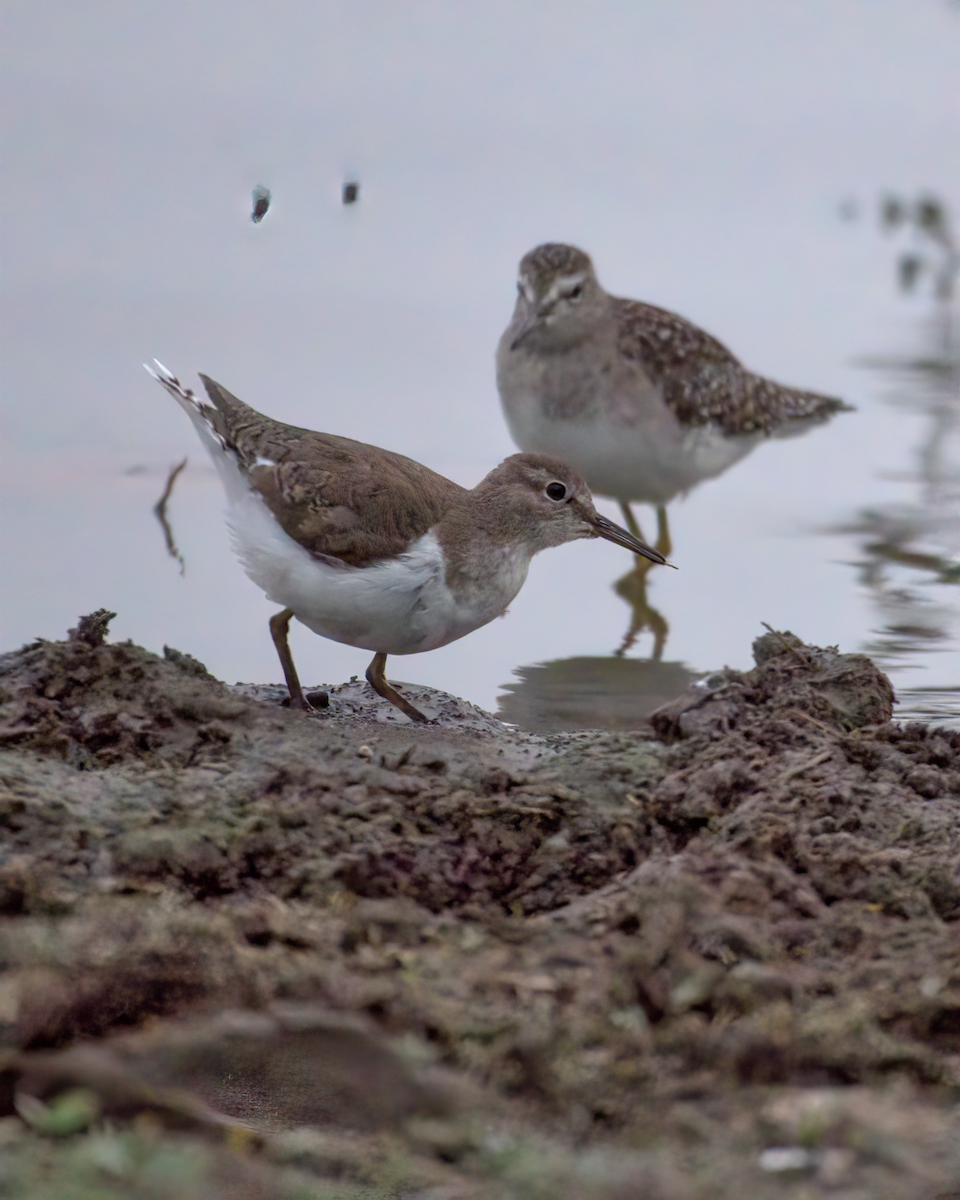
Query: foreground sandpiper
[
  {"x": 369, "y": 548},
  {"x": 642, "y": 402}
]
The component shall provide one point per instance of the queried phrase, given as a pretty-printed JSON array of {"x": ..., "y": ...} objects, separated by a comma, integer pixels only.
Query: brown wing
[
  {"x": 703, "y": 382},
  {"x": 333, "y": 495}
]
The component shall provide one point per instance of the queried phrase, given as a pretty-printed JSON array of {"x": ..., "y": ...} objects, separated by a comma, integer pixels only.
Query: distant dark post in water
[{"x": 351, "y": 192}]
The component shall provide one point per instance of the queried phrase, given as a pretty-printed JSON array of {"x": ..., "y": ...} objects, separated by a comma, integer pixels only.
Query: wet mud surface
[{"x": 246, "y": 952}]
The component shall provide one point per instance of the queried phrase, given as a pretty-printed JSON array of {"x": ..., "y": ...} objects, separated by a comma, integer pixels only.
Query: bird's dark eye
[
  {"x": 575, "y": 293},
  {"x": 556, "y": 491}
]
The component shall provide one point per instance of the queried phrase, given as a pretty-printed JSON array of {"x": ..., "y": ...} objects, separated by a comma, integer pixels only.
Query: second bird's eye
[
  {"x": 575, "y": 293},
  {"x": 556, "y": 491}
]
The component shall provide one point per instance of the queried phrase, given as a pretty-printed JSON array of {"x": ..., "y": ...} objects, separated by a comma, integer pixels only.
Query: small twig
[
  {"x": 802, "y": 768},
  {"x": 800, "y": 715},
  {"x": 160, "y": 508},
  {"x": 512, "y": 810},
  {"x": 795, "y": 650}
]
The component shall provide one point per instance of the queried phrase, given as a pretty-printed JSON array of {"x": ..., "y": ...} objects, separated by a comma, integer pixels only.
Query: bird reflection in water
[{"x": 590, "y": 693}]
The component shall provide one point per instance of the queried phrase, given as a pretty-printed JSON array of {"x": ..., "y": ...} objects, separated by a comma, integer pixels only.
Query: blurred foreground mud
[{"x": 246, "y": 952}]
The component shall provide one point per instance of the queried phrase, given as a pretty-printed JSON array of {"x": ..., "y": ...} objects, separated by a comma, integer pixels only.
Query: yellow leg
[
  {"x": 378, "y": 681},
  {"x": 631, "y": 521},
  {"x": 664, "y": 541}
]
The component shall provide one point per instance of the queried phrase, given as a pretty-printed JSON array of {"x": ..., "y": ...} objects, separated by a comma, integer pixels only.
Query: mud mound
[{"x": 715, "y": 957}]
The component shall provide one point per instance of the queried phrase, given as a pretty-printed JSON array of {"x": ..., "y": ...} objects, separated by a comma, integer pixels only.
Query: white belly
[
  {"x": 653, "y": 459},
  {"x": 397, "y": 606}
]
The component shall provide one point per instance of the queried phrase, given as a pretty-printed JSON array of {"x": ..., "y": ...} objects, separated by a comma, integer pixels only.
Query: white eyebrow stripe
[
  {"x": 566, "y": 283},
  {"x": 527, "y": 288}
]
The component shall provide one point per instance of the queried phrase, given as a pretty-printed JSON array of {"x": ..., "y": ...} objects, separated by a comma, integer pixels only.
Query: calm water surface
[{"x": 727, "y": 164}]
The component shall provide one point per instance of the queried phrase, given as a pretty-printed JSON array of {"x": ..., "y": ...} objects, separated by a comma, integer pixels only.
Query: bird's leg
[
  {"x": 641, "y": 565},
  {"x": 279, "y": 624},
  {"x": 664, "y": 541},
  {"x": 630, "y": 520},
  {"x": 378, "y": 681}
]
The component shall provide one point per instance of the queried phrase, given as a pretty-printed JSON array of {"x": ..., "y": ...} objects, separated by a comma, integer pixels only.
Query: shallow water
[{"x": 728, "y": 169}]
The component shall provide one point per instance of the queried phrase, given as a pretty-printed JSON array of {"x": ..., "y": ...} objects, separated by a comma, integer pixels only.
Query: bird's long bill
[{"x": 613, "y": 533}]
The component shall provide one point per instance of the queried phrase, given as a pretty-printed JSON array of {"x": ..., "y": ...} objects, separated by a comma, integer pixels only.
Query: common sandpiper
[{"x": 370, "y": 548}]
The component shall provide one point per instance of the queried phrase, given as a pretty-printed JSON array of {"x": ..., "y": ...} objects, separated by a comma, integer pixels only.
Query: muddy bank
[{"x": 249, "y": 952}]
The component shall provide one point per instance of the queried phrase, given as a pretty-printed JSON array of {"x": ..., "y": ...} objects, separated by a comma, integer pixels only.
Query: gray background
[{"x": 700, "y": 152}]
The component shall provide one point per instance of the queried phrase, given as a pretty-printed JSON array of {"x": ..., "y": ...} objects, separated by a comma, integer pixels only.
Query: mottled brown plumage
[
  {"x": 702, "y": 381},
  {"x": 333, "y": 495},
  {"x": 642, "y": 401}
]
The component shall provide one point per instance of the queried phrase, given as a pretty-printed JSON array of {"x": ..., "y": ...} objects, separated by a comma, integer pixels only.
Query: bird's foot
[{"x": 307, "y": 701}]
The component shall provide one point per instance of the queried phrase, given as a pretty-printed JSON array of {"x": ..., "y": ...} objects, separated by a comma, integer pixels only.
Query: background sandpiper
[
  {"x": 370, "y": 548},
  {"x": 644, "y": 403}
]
